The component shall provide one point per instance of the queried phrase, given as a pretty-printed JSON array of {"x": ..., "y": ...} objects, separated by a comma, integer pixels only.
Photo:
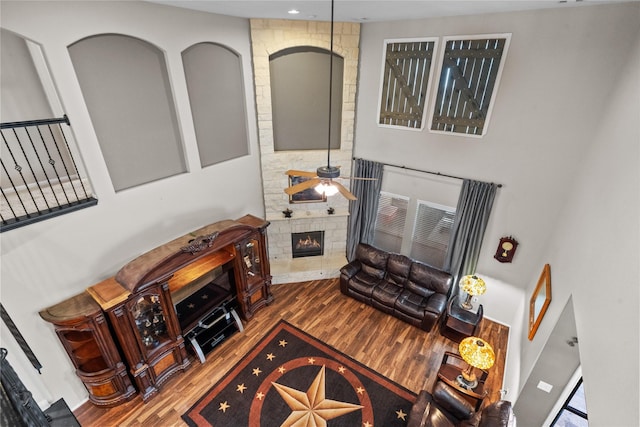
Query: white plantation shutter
[
  {"x": 390, "y": 222},
  {"x": 431, "y": 231}
]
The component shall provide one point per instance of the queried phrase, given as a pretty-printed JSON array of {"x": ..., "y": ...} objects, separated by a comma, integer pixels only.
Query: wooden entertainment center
[{"x": 126, "y": 334}]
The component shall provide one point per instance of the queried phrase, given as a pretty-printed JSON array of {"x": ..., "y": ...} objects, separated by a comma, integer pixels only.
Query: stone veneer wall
[{"x": 268, "y": 37}]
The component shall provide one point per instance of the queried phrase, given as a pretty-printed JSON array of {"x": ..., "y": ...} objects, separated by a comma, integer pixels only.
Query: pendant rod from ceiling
[
  {"x": 425, "y": 171},
  {"x": 330, "y": 90}
]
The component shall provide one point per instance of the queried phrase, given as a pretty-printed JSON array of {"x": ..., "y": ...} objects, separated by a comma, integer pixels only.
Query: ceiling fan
[
  {"x": 323, "y": 178},
  {"x": 323, "y": 181}
]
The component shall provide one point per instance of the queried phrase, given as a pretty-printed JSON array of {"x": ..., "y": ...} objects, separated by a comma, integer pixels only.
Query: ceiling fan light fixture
[
  {"x": 328, "y": 172},
  {"x": 326, "y": 188}
]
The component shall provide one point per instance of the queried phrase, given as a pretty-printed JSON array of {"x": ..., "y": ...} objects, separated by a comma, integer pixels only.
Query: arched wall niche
[
  {"x": 300, "y": 77},
  {"x": 125, "y": 84},
  {"x": 214, "y": 78}
]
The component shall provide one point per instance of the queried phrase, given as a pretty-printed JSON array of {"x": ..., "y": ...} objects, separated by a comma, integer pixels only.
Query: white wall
[
  {"x": 561, "y": 63},
  {"x": 594, "y": 253},
  {"x": 44, "y": 263},
  {"x": 563, "y": 139}
]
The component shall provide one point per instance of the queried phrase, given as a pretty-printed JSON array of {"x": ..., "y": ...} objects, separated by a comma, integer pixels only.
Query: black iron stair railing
[{"x": 40, "y": 177}]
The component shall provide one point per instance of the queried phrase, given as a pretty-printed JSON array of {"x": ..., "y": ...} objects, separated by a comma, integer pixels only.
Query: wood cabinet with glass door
[
  {"x": 253, "y": 272},
  {"x": 147, "y": 328},
  {"x": 84, "y": 332}
]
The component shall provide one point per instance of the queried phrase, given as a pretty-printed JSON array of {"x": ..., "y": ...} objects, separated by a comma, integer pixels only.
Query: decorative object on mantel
[
  {"x": 478, "y": 354},
  {"x": 287, "y": 213},
  {"x": 331, "y": 211},
  {"x": 323, "y": 179},
  {"x": 472, "y": 285},
  {"x": 506, "y": 249},
  {"x": 540, "y": 300}
]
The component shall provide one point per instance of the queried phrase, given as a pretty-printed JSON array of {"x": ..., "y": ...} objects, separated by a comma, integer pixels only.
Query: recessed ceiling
[{"x": 366, "y": 10}]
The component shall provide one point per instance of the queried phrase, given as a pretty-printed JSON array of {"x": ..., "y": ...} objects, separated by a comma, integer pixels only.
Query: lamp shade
[
  {"x": 477, "y": 352},
  {"x": 473, "y": 285}
]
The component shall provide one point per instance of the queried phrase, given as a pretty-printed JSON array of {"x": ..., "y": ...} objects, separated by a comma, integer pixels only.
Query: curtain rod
[{"x": 424, "y": 171}]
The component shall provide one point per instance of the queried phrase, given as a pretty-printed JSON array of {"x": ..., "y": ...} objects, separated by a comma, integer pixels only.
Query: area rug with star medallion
[{"x": 292, "y": 379}]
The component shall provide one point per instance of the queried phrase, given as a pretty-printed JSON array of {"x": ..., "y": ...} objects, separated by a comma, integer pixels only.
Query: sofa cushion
[
  {"x": 385, "y": 295},
  {"x": 363, "y": 283},
  {"x": 411, "y": 303},
  {"x": 497, "y": 414},
  {"x": 436, "y": 418},
  {"x": 374, "y": 261},
  {"x": 425, "y": 280},
  {"x": 452, "y": 401},
  {"x": 398, "y": 267}
]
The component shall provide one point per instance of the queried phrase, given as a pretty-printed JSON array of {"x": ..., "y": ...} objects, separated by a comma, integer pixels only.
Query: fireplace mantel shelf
[{"x": 305, "y": 215}]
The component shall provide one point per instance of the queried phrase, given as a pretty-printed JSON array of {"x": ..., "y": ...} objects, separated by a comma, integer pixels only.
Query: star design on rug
[
  {"x": 257, "y": 372},
  {"x": 271, "y": 356},
  {"x": 311, "y": 408},
  {"x": 224, "y": 406},
  {"x": 360, "y": 390},
  {"x": 260, "y": 395},
  {"x": 367, "y": 424},
  {"x": 205, "y": 296},
  {"x": 191, "y": 305},
  {"x": 283, "y": 343},
  {"x": 241, "y": 388},
  {"x": 342, "y": 369},
  {"x": 311, "y": 360},
  {"x": 401, "y": 415},
  {"x": 282, "y": 369}
]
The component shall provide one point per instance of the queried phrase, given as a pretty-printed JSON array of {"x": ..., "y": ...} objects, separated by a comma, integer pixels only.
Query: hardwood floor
[{"x": 397, "y": 350}]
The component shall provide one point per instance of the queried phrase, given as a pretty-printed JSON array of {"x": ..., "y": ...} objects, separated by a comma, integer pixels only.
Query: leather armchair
[
  {"x": 460, "y": 323},
  {"x": 446, "y": 408}
]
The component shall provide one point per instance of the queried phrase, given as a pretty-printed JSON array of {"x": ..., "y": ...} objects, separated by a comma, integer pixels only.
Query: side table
[
  {"x": 460, "y": 323},
  {"x": 451, "y": 368}
]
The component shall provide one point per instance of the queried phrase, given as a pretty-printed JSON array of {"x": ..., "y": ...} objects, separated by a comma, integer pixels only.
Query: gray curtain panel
[
  {"x": 363, "y": 212},
  {"x": 472, "y": 215}
]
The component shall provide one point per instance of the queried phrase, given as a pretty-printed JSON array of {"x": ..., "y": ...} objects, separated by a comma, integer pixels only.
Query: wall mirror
[{"x": 539, "y": 301}]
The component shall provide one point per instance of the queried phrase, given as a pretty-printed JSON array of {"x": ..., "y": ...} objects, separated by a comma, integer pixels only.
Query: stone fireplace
[{"x": 268, "y": 37}]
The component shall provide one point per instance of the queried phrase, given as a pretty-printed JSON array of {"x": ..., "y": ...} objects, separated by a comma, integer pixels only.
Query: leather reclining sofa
[
  {"x": 446, "y": 408},
  {"x": 393, "y": 283}
]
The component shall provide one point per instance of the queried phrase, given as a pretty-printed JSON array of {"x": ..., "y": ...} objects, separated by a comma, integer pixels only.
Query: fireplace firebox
[{"x": 308, "y": 243}]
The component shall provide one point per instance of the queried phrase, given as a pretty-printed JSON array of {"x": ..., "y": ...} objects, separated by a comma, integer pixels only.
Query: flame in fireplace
[{"x": 307, "y": 243}]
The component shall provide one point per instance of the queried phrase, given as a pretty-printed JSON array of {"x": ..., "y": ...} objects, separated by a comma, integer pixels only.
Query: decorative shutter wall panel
[
  {"x": 469, "y": 76},
  {"x": 405, "y": 82}
]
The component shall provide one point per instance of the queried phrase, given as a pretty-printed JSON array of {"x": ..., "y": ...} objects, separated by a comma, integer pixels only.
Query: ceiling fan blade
[
  {"x": 346, "y": 193},
  {"x": 302, "y": 186},
  {"x": 305, "y": 174}
]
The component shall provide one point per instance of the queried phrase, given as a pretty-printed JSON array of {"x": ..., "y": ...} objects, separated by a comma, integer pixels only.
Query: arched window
[
  {"x": 126, "y": 87},
  {"x": 216, "y": 95}
]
